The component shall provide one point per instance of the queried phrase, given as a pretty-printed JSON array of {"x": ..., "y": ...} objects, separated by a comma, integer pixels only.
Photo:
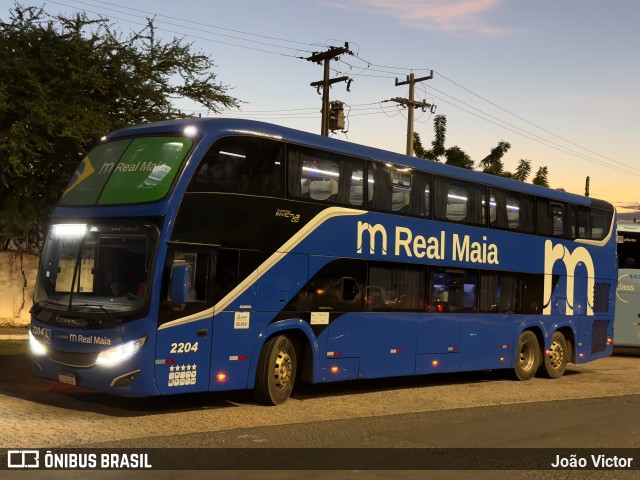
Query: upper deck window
[
  {"x": 325, "y": 177},
  {"x": 593, "y": 223},
  {"x": 249, "y": 165},
  {"x": 511, "y": 210},
  {"x": 137, "y": 170},
  {"x": 554, "y": 218},
  {"x": 458, "y": 201},
  {"x": 394, "y": 188}
]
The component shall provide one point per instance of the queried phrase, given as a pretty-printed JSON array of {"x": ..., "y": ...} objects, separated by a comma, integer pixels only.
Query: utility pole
[
  {"x": 412, "y": 104},
  {"x": 325, "y": 57},
  {"x": 586, "y": 187}
]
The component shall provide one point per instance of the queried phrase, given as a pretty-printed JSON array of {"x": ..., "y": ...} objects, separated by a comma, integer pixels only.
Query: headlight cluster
[
  {"x": 36, "y": 347},
  {"x": 120, "y": 353}
]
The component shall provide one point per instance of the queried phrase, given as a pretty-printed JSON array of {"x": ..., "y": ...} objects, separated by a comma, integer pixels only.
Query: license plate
[{"x": 68, "y": 378}]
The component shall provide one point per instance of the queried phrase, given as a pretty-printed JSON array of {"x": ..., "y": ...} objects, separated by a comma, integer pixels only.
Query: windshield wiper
[
  {"x": 109, "y": 313},
  {"x": 93, "y": 305},
  {"x": 38, "y": 305}
]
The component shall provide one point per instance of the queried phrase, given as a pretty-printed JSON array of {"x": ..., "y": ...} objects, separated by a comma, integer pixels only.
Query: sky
[{"x": 557, "y": 79}]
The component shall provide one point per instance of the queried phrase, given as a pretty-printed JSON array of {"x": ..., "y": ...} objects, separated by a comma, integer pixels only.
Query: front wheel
[
  {"x": 527, "y": 356},
  {"x": 555, "y": 359},
  {"x": 276, "y": 372}
]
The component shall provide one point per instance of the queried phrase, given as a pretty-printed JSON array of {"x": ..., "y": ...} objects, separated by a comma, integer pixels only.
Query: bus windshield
[
  {"x": 137, "y": 170},
  {"x": 95, "y": 268}
]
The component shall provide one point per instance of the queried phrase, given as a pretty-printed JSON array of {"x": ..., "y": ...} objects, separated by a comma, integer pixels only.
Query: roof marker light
[{"x": 190, "y": 131}]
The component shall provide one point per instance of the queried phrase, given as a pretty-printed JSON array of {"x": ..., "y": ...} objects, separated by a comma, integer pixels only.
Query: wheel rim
[
  {"x": 556, "y": 355},
  {"x": 283, "y": 372},
  {"x": 527, "y": 356}
]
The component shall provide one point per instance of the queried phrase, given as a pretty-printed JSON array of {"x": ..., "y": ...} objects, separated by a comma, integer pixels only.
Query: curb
[{"x": 14, "y": 337}]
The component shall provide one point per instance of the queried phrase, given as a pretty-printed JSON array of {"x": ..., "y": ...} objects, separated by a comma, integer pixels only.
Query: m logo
[
  {"x": 571, "y": 260},
  {"x": 372, "y": 230}
]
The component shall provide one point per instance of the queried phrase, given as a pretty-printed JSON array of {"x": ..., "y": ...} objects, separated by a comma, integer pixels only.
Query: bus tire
[
  {"x": 527, "y": 356},
  {"x": 555, "y": 359},
  {"x": 276, "y": 374}
]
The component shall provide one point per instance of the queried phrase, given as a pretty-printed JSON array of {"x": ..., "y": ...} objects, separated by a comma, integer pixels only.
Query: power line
[
  {"x": 385, "y": 71},
  {"x": 564, "y": 149},
  {"x": 545, "y": 141},
  {"x": 191, "y": 22},
  {"x": 530, "y": 123},
  {"x": 262, "y": 50},
  {"x": 561, "y": 149}
]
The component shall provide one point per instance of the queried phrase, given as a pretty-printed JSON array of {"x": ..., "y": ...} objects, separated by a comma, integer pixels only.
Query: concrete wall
[{"x": 17, "y": 284}]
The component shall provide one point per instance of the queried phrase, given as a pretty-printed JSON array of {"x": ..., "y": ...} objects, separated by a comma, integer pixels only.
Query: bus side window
[
  {"x": 396, "y": 286},
  {"x": 198, "y": 266},
  {"x": 554, "y": 218},
  {"x": 510, "y": 210},
  {"x": 380, "y": 188},
  {"x": 324, "y": 176},
  {"x": 454, "y": 290},
  {"x": 253, "y": 166},
  {"x": 339, "y": 286},
  {"x": 457, "y": 201}
]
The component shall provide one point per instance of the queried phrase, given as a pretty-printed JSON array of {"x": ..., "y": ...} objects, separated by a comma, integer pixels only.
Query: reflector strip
[
  {"x": 504, "y": 346},
  {"x": 237, "y": 357},
  {"x": 452, "y": 349},
  {"x": 395, "y": 350},
  {"x": 165, "y": 361},
  {"x": 333, "y": 354}
]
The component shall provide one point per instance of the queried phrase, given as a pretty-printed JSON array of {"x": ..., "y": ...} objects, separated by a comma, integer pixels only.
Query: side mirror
[{"x": 180, "y": 283}]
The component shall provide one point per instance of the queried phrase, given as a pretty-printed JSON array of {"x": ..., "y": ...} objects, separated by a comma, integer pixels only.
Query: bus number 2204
[{"x": 184, "y": 347}]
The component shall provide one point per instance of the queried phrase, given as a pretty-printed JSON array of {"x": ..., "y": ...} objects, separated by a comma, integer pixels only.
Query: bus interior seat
[
  {"x": 323, "y": 189},
  {"x": 400, "y": 200}
]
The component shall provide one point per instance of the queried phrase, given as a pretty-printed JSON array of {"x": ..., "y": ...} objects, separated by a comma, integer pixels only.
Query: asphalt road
[{"x": 593, "y": 406}]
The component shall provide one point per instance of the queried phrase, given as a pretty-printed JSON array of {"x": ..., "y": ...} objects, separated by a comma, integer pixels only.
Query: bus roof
[
  {"x": 209, "y": 127},
  {"x": 628, "y": 227}
]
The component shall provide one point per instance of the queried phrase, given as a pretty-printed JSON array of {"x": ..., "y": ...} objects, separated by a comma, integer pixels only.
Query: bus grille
[
  {"x": 599, "y": 336},
  {"x": 601, "y": 297},
  {"x": 80, "y": 360}
]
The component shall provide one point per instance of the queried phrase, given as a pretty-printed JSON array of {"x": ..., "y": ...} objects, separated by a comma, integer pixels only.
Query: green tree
[
  {"x": 458, "y": 158},
  {"x": 437, "y": 144},
  {"x": 522, "y": 171},
  {"x": 542, "y": 177},
  {"x": 492, "y": 163},
  {"x": 66, "y": 81}
]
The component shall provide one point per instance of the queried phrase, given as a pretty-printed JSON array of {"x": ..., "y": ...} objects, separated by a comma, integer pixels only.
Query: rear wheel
[
  {"x": 555, "y": 359},
  {"x": 276, "y": 373},
  {"x": 527, "y": 356}
]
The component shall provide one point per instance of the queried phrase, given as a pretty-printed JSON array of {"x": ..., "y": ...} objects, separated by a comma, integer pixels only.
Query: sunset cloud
[{"x": 441, "y": 15}]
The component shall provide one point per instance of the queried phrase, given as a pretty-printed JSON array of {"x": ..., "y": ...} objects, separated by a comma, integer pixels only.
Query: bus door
[{"x": 183, "y": 348}]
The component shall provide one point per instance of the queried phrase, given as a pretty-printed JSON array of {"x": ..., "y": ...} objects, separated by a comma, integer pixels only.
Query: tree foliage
[
  {"x": 542, "y": 177},
  {"x": 523, "y": 171},
  {"x": 66, "y": 81},
  {"x": 491, "y": 164},
  {"x": 458, "y": 158},
  {"x": 437, "y": 144}
]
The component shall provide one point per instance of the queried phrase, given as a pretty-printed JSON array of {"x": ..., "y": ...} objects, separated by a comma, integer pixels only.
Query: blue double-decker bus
[{"x": 214, "y": 254}]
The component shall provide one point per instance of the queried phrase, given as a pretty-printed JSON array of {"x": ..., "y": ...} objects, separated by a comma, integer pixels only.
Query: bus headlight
[
  {"x": 35, "y": 346},
  {"x": 120, "y": 353}
]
